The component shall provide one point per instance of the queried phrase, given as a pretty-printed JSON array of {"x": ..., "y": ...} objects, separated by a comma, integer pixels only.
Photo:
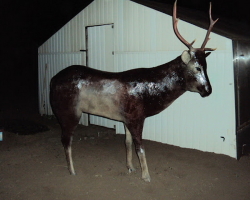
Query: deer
[{"x": 129, "y": 96}]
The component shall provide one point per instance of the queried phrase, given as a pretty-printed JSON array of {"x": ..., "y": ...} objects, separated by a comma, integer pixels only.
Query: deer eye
[{"x": 198, "y": 69}]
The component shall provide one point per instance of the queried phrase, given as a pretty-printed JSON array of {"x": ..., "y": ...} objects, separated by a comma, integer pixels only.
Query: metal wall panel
[
  {"x": 144, "y": 38},
  {"x": 145, "y": 29},
  {"x": 242, "y": 70},
  {"x": 242, "y": 88}
]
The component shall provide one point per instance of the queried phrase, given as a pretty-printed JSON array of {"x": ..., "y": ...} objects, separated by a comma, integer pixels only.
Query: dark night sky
[{"x": 25, "y": 25}]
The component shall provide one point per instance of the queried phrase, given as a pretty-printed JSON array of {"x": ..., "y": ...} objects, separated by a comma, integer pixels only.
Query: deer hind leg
[
  {"x": 144, "y": 166},
  {"x": 66, "y": 139},
  {"x": 136, "y": 132},
  {"x": 68, "y": 124},
  {"x": 129, "y": 150}
]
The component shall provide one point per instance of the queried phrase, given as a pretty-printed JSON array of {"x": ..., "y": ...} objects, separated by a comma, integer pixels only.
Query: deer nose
[{"x": 207, "y": 91}]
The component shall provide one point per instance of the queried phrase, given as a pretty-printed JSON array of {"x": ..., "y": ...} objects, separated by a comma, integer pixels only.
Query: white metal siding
[{"x": 144, "y": 37}]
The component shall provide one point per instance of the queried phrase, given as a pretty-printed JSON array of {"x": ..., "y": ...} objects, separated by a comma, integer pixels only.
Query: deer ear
[
  {"x": 185, "y": 57},
  {"x": 207, "y": 54}
]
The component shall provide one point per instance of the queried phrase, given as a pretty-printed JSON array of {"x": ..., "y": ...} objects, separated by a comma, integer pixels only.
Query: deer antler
[
  {"x": 212, "y": 22},
  {"x": 189, "y": 45},
  {"x": 175, "y": 21}
]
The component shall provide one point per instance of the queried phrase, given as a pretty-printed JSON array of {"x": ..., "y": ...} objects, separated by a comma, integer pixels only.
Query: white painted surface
[{"x": 144, "y": 37}]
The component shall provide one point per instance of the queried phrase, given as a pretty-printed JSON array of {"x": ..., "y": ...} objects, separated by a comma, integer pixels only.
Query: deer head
[{"x": 195, "y": 60}]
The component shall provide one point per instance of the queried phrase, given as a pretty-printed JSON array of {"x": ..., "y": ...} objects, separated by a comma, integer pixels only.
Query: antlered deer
[{"x": 128, "y": 96}]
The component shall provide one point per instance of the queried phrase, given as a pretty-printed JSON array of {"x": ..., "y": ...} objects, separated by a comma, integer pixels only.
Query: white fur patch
[
  {"x": 154, "y": 88},
  {"x": 141, "y": 151},
  {"x": 82, "y": 82},
  {"x": 140, "y": 88},
  {"x": 110, "y": 87}
]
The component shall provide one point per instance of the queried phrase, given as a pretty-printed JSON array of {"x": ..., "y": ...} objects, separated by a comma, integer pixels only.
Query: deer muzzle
[{"x": 206, "y": 90}]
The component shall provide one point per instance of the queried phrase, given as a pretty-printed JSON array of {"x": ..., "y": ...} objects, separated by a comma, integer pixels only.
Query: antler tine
[
  {"x": 212, "y": 22},
  {"x": 175, "y": 21}
]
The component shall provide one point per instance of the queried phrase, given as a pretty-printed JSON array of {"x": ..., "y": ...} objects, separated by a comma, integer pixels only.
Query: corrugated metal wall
[{"x": 144, "y": 38}]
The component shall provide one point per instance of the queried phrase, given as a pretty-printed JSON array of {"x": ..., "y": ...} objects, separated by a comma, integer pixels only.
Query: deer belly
[{"x": 99, "y": 104}]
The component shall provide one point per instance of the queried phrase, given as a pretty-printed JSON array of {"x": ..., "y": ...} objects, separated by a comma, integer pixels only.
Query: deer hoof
[
  {"x": 130, "y": 170},
  {"x": 72, "y": 172},
  {"x": 146, "y": 178}
]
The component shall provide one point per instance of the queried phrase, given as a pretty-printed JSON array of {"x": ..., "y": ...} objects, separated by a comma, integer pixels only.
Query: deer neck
[{"x": 169, "y": 86}]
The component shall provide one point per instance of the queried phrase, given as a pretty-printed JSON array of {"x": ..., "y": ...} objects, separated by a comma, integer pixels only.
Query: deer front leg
[
  {"x": 136, "y": 132},
  {"x": 128, "y": 143}
]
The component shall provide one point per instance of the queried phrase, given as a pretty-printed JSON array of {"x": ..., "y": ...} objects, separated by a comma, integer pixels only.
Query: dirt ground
[{"x": 33, "y": 167}]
